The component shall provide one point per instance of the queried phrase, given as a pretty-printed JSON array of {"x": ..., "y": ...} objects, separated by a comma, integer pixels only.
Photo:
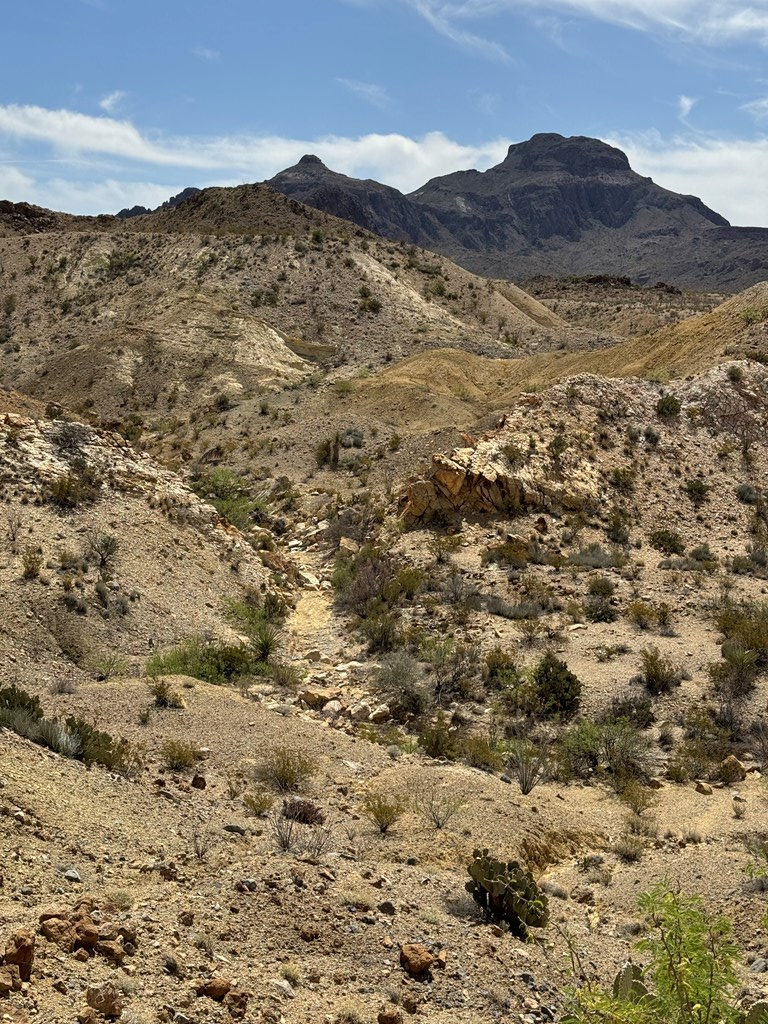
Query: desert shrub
[
  {"x": 527, "y": 763},
  {"x": 231, "y": 496},
  {"x": 558, "y": 690},
  {"x": 360, "y": 582},
  {"x": 286, "y": 768},
  {"x": 642, "y": 614},
  {"x": 746, "y": 624},
  {"x": 623, "y": 479},
  {"x": 624, "y": 751},
  {"x": 258, "y": 803},
  {"x": 599, "y": 609},
  {"x": 667, "y": 407},
  {"x": 384, "y": 808},
  {"x": 265, "y": 639},
  {"x": 690, "y": 977},
  {"x": 214, "y": 663},
  {"x": 593, "y": 556},
  {"x": 163, "y": 694},
  {"x": 179, "y": 754},
  {"x": 437, "y": 740},
  {"x": 697, "y": 491},
  {"x": 507, "y": 892},
  {"x": 437, "y": 806},
  {"x": 658, "y": 673},
  {"x": 304, "y": 811},
  {"x": 399, "y": 681},
  {"x": 747, "y": 493},
  {"x": 601, "y": 586},
  {"x": 79, "y": 486},
  {"x": 617, "y": 528},
  {"x": 578, "y": 750},
  {"x": 637, "y": 709},
  {"x": 667, "y": 541},
  {"x": 513, "y": 552},
  {"x": 628, "y": 847},
  {"x": 480, "y": 751},
  {"x": 101, "y": 549},
  {"x": 31, "y": 561}
]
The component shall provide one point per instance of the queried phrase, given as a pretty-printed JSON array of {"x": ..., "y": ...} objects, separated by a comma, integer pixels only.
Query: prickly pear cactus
[
  {"x": 757, "y": 1013},
  {"x": 507, "y": 892},
  {"x": 628, "y": 984}
]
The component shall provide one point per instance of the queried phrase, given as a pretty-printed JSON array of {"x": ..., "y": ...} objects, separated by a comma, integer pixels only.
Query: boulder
[
  {"x": 415, "y": 958},
  {"x": 20, "y": 952},
  {"x": 106, "y": 998},
  {"x": 214, "y": 988}
]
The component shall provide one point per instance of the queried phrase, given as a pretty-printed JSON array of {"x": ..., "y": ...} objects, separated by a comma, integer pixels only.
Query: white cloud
[
  {"x": 757, "y": 108},
  {"x": 685, "y": 105},
  {"x": 112, "y": 101},
  {"x": 205, "y": 53},
  {"x": 396, "y": 159},
  {"x": 728, "y": 175},
  {"x": 16, "y": 186},
  {"x": 376, "y": 95},
  {"x": 708, "y": 21}
]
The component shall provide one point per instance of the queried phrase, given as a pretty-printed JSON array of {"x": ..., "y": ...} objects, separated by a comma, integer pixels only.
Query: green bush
[
  {"x": 180, "y": 754},
  {"x": 667, "y": 407},
  {"x": 667, "y": 541},
  {"x": 658, "y": 674},
  {"x": 285, "y": 768},
  {"x": 690, "y": 975},
  {"x": 214, "y": 663},
  {"x": 558, "y": 690},
  {"x": 747, "y": 625}
]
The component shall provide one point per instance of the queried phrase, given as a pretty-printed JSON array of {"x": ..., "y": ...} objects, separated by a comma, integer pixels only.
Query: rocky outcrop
[{"x": 488, "y": 477}]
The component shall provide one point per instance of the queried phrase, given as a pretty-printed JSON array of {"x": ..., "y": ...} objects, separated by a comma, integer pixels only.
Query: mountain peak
[
  {"x": 576, "y": 154},
  {"x": 310, "y": 160}
]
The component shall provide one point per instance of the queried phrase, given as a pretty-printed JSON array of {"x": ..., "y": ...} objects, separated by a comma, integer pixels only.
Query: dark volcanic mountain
[
  {"x": 554, "y": 205},
  {"x": 373, "y": 206},
  {"x": 177, "y": 200}
]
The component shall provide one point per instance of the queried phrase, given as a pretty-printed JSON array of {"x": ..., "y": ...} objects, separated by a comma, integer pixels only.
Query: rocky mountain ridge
[{"x": 554, "y": 205}]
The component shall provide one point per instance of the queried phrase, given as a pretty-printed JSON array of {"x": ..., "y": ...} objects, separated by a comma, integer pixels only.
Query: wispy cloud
[
  {"x": 443, "y": 18},
  {"x": 376, "y": 95},
  {"x": 708, "y": 21},
  {"x": 206, "y": 53},
  {"x": 757, "y": 108},
  {"x": 685, "y": 105},
  {"x": 112, "y": 101}
]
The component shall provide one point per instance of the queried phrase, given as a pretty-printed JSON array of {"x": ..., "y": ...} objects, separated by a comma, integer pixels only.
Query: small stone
[
  {"x": 759, "y": 966},
  {"x": 72, "y": 876},
  {"x": 386, "y": 907},
  {"x": 283, "y": 987},
  {"x": 198, "y": 782},
  {"x": 704, "y": 788},
  {"x": 389, "y": 1015}
]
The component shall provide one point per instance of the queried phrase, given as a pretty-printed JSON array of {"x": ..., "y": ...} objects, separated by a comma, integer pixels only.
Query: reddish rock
[
  {"x": 236, "y": 1001},
  {"x": 111, "y": 951},
  {"x": 9, "y": 980},
  {"x": 20, "y": 952},
  {"x": 215, "y": 988},
  {"x": 415, "y": 958},
  {"x": 389, "y": 1015},
  {"x": 60, "y": 931},
  {"x": 86, "y": 933}
]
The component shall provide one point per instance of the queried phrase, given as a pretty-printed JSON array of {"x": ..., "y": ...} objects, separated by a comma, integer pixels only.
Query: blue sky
[{"x": 107, "y": 103}]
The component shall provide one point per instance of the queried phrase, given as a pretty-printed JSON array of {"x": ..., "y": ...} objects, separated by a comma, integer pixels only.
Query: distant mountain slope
[
  {"x": 554, "y": 205},
  {"x": 177, "y": 200}
]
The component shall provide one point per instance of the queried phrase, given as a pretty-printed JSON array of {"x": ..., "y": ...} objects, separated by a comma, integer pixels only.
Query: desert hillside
[{"x": 327, "y": 566}]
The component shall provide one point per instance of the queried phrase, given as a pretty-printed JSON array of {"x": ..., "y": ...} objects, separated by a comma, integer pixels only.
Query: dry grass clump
[{"x": 285, "y": 768}]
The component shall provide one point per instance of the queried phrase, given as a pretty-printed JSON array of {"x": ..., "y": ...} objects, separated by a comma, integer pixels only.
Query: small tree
[{"x": 558, "y": 689}]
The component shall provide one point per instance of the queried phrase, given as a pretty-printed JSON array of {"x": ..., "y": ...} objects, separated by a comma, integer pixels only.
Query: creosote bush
[
  {"x": 384, "y": 809},
  {"x": 285, "y": 768}
]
